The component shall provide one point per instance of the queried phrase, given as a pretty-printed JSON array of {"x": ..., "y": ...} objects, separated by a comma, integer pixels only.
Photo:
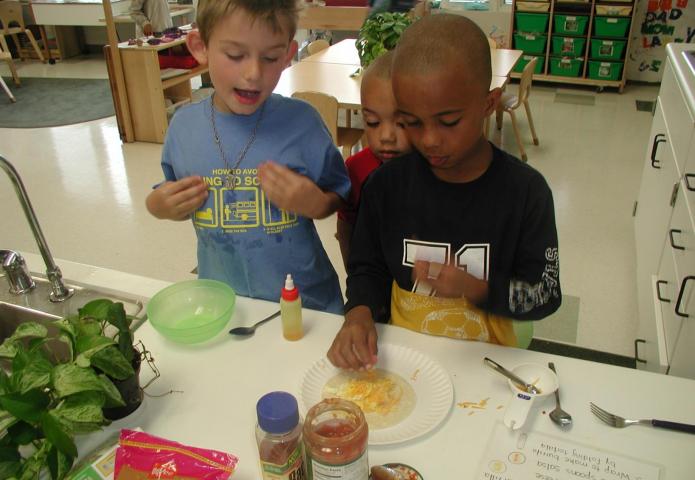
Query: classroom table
[
  {"x": 345, "y": 52},
  {"x": 207, "y": 393},
  {"x": 334, "y": 79}
]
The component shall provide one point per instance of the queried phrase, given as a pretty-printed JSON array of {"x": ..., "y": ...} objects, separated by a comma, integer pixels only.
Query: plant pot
[{"x": 130, "y": 391}]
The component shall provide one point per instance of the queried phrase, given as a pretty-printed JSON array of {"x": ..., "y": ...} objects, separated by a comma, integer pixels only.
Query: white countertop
[
  {"x": 685, "y": 74},
  {"x": 218, "y": 383}
]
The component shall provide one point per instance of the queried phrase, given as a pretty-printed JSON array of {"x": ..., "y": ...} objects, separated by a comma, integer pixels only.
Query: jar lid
[{"x": 277, "y": 412}]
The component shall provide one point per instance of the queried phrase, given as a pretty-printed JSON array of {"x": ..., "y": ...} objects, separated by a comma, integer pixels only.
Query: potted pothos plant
[
  {"x": 380, "y": 33},
  {"x": 47, "y": 397}
]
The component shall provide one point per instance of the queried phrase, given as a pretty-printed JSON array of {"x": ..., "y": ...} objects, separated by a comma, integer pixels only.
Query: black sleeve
[
  {"x": 369, "y": 279},
  {"x": 531, "y": 291}
]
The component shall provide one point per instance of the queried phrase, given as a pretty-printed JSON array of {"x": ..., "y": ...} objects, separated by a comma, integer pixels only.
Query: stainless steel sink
[{"x": 35, "y": 306}]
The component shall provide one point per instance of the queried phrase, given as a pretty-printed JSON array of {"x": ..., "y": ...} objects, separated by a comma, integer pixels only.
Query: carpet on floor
[{"x": 51, "y": 102}]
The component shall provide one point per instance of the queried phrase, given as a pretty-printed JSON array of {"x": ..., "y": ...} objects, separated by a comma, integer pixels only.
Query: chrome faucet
[{"x": 13, "y": 263}]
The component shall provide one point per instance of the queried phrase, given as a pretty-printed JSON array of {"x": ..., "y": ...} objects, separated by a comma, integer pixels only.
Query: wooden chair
[
  {"x": 7, "y": 58},
  {"x": 327, "y": 106},
  {"x": 13, "y": 25},
  {"x": 3, "y": 85},
  {"x": 509, "y": 103},
  {"x": 317, "y": 45}
]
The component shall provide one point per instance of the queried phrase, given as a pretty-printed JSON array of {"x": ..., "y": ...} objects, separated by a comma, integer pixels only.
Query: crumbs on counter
[
  {"x": 481, "y": 405},
  {"x": 413, "y": 377},
  {"x": 500, "y": 407}
]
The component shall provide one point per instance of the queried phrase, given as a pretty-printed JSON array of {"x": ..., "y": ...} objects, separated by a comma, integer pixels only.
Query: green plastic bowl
[{"x": 192, "y": 311}]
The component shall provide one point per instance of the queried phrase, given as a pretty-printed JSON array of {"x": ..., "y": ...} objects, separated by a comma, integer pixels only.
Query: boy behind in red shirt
[{"x": 386, "y": 139}]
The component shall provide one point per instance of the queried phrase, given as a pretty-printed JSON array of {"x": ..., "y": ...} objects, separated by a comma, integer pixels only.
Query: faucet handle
[{"x": 18, "y": 275}]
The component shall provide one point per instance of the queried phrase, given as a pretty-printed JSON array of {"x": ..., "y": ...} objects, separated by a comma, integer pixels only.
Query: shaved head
[
  {"x": 379, "y": 69},
  {"x": 444, "y": 42}
]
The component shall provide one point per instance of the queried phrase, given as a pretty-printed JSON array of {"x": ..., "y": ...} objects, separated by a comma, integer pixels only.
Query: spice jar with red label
[
  {"x": 279, "y": 437},
  {"x": 335, "y": 441}
]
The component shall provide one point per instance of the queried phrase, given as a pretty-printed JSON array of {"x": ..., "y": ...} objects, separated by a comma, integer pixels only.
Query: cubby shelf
[{"x": 587, "y": 40}]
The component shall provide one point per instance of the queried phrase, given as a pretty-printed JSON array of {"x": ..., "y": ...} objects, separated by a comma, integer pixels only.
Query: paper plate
[{"x": 432, "y": 384}]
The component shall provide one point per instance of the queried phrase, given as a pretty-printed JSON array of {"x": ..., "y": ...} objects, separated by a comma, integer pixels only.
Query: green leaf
[
  {"x": 36, "y": 374},
  {"x": 88, "y": 346},
  {"x": 55, "y": 433},
  {"x": 59, "y": 464},
  {"x": 9, "y": 454},
  {"x": 97, "y": 309},
  {"x": 125, "y": 345},
  {"x": 32, "y": 466},
  {"x": 6, "y": 420},
  {"x": 30, "y": 329},
  {"x": 22, "y": 433},
  {"x": 8, "y": 349},
  {"x": 66, "y": 326},
  {"x": 5, "y": 385},
  {"x": 9, "y": 469},
  {"x": 83, "y": 407},
  {"x": 116, "y": 316},
  {"x": 88, "y": 327},
  {"x": 112, "y": 363},
  {"x": 113, "y": 396},
  {"x": 69, "y": 379},
  {"x": 25, "y": 406}
]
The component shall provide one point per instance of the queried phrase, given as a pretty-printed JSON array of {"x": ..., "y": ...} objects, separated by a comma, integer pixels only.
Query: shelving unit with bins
[{"x": 582, "y": 42}]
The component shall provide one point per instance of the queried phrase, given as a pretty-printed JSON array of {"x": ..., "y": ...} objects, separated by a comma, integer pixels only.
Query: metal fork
[{"x": 620, "y": 422}]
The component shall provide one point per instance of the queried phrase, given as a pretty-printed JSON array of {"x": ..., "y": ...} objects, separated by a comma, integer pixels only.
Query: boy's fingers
[
  {"x": 420, "y": 270},
  {"x": 184, "y": 184},
  {"x": 373, "y": 349}
]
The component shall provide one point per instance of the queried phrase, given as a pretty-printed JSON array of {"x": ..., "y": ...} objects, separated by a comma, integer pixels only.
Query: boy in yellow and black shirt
[{"x": 459, "y": 237}]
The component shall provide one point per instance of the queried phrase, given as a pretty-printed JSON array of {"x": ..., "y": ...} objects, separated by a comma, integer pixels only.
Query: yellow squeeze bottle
[{"x": 291, "y": 311}]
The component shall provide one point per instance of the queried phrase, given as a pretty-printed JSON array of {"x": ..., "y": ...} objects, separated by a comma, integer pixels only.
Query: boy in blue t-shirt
[{"x": 251, "y": 168}]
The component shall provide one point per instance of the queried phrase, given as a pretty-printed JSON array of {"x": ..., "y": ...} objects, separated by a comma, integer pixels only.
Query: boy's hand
[
  {"x": 177, "y": 200},
  {"x": 354, "y": 347},
  {"x": 291, "y": 191},
  {"x": 450, "y": 281}
]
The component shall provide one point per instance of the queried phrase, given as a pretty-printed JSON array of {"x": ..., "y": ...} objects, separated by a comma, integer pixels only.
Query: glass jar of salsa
[{"x": 335, "y": 441}]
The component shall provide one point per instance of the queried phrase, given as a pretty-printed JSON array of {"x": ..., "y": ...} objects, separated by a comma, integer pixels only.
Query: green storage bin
[
  {"x": 607, "y": 49},
  {"x": 532, "y": 22},
  {"x": 523, "y": 61},
  {"x": 611, "y": 26},
  {"x": 568, "y": 46},
  {"x": 571, "y": 24},
  {"x": 566, "y": 67},
  {"x": 605, "y": 70},
  {"x": 530, "y": 42}
]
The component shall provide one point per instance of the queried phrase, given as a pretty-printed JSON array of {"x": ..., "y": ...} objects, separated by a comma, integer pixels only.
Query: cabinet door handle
[
  {"x": 688, "y": 176},
  {"x": 637, "y": 341},
  {"x": 658, "y": 291},
  {"x": 658, "y": 138},
  {"x": 680, "y": 296},
  {"x": 670, "y": 236}
]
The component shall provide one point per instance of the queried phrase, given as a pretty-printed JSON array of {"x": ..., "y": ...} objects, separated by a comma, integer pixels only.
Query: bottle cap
[
  {"x": 277, "y": 412},
  {"x": 289, "y": 292}
]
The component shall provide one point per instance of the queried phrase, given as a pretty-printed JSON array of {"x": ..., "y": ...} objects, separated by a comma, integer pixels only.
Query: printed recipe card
[{"x": 519, "y": 455}]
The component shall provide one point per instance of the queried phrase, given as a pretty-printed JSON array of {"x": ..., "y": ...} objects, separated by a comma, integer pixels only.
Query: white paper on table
[{"x": 522, "y": 455}]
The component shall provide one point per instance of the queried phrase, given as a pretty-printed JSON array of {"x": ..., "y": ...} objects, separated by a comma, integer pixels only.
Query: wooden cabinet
[
  {"x": 146, "y": 91},
  {"x": 665, "y": 228},
  {"x": 584, "y": 42}
]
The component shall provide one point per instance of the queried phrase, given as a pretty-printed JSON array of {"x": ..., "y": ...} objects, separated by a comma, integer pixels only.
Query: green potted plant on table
[
  {"x": 48, "y": 396},
  {"x": 380, "y": 33}
]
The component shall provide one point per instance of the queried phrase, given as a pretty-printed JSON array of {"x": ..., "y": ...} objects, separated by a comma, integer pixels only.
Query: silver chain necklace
[{"x": 229, "y": 179}]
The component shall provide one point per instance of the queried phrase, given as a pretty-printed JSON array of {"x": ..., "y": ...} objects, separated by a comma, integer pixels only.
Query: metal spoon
[
  {"x": 248, "y": 331},
  {"x": 559, "y": 416}
]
